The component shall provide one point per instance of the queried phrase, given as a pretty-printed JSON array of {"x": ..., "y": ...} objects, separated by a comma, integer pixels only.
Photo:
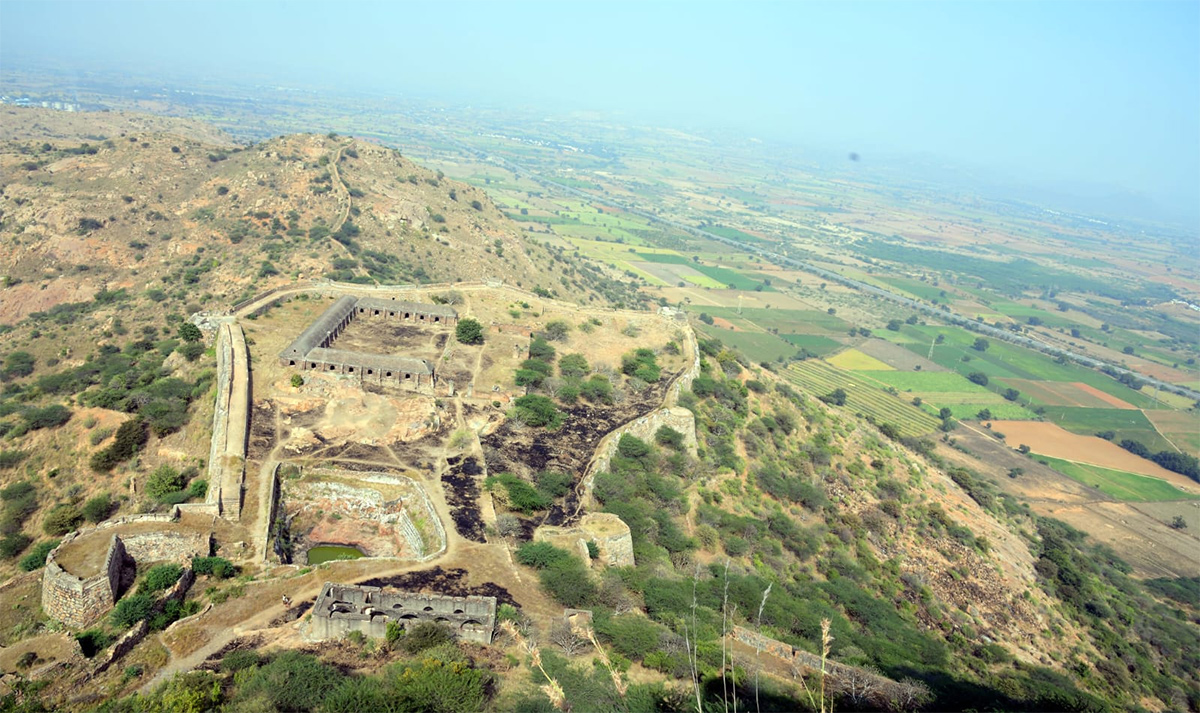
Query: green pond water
[{"x": 329, "y": 553}]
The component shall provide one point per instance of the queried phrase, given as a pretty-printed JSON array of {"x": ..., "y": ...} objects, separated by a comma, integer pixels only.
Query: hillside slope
[{"x": 210, "y": 223}]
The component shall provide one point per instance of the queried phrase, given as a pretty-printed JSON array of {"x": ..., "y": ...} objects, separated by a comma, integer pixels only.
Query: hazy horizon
[{"x": 1092, "y": 95}]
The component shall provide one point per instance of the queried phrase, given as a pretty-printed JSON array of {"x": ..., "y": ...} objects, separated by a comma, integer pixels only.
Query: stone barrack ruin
[
  {"x": 312, "y": 350},
  {"x": 342, "y": 608}
]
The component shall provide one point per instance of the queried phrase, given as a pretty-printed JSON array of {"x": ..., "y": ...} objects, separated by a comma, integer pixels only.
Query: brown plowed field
[
  {"x": 1052, "y": 440},
  {"x": 1064, "y": 393}
]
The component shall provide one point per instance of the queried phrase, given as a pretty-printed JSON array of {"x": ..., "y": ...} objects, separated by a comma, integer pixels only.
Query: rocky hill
[{"x": 173, "y": 214}]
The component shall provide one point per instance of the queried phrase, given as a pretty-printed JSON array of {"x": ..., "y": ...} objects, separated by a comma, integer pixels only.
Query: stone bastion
[
  {"x": 88, "y": 571},
  {"x": 609, "y": 533},
  {"x": 341, "y": 609}
]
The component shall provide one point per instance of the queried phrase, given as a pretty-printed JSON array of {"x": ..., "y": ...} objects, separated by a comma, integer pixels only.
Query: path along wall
[{"x": 231, "y": 420}]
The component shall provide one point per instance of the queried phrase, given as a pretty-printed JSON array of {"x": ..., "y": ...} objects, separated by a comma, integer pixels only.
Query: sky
[{"x": 1094, "y": 95}]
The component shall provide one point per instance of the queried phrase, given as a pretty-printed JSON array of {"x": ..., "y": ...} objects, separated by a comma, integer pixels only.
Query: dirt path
[{"x": 345, "y": 191}]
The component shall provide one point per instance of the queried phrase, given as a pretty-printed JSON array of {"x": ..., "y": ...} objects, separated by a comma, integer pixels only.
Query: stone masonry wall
[
  {"x": 644, "y": 427},
  {"x": 798, "y": 658},
  {"x": 177, "y": 547},
  {"x": 77, "y": 601}
]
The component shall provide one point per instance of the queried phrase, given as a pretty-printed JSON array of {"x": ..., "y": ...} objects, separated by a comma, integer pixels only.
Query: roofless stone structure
[
  {"x": 312, "y": 350},
  {"x": 342, "y": 608}
]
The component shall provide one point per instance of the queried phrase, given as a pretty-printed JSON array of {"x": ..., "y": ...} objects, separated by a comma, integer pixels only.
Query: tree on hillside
[
  {"x": 981, "y": 344},
  {"x": 189, "y": 332},
  {"x": 469, "y": 331}
]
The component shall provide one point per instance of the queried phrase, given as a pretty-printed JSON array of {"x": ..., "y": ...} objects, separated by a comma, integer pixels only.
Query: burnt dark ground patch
[
  {"x": 451, "y": 582},
  {"x": 461, "y": 486},
  {"x": 524, "y": 451},
  {"x": 262, "y": 430}
]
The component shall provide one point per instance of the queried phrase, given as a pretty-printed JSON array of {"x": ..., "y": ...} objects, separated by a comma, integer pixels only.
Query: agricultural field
[
  {"x": 815, "y": 343},
  {"x": 1119, "y": 484},
  {"x": 1124, "y": 423},
  {"x": 854, "y": 360},
  {"x": 939, "y": 390},
  {"x": 1182, "y": 428},
  {"x": 758, "y": 346},
  {"x": 1051, "y": 440},
  {"x": 1007, "y": 361},
  {"x": 818, "y": 378},
  {"x": 1067, "y": 393},
  {"x": 722, "y": 276}
]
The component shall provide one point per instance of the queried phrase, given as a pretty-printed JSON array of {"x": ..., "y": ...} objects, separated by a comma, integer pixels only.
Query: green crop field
[
  {"x": 969, "y": 410},
  {"x": 814, "y": 343},
  {"x": 1117, "y": 483},
  {"x": 722, "y": 275},
  {"x": 943, "y": 389},
  {"x": 818, "y": 378},
  {"x": 926, "y": 381},
  {"x": 758, "y": 346},
  {"x": 1126, "y": 423},
  {"x": 787, "y": 321},
  {"x": 1002, "y": 360},
  {"x": 915, "y": 288}
]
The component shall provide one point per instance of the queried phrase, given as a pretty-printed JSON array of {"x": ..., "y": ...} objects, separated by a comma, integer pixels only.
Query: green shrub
[
  {"x": 554, "y": 484},
  {"x": 93, "y": 641},
  {"x": 61, "y": 519},
  {"x": 218, "y": 567},
  {"x": 573, "y": 366},
  {"x": 522, "y": 496},
  {"x": 540, "y": 555},
  {"x": 14, "y": 544},
  {"x": 424, "y": 635},
  {"x": 597, "y": 389},
  {"x": 132, "y": 609},
  {"x": 569, "y": 582},
  {"x": 49, "y": 417},
  {"x": 633, "y": 635},
  {"x": 632, "y": 447},
  {"x": 98, "y": 508},
  {"x": 10, "y": 459},
  {"x": 36, "y": 559},
  {"x": 536, "y": 410},
  {"x": 469, "y": 331},
  {"x": 669, "y": 437},
  {"x": 235, "y": 661},
  {"x": 163, "y": 481},
  {"x": 160, "y": 577},
  {"x": 198, "y": 488}
]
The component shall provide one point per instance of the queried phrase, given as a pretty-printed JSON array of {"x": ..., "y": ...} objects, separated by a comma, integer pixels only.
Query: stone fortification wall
[
  {"x": 231, "y": 421},
  {"x": 177, "y": 547},
  {"x": 798, "y": 658},
  {"x": 78, "y": 601},
  {"x": 644, "y": 427},
  {"x": 610, "y": 534},
  {"x": 341, "y": 609}
]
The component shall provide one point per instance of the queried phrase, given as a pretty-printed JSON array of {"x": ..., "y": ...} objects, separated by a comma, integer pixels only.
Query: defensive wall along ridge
[
  {"x": 231, "y": 420},
  {"x": 646, "y": 425}
]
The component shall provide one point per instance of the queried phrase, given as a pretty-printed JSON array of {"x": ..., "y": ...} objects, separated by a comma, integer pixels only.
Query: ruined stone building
[
  {"x": 342, "y": 608},
  {"x": 312, "y": 350}
]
